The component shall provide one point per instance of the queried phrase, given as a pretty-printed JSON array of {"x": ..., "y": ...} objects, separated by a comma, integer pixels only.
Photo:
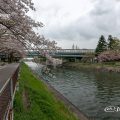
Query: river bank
[
  {"x": 34, "y": 101},
  {"x": 85, "y": 88},
  {"x": 103, "y": 67},
  {"x": 80, "y": 115}
]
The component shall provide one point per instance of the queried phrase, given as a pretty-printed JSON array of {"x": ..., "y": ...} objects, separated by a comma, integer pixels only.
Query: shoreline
[
  {"x": 97, "y": 67},
  {"x": 36, "y": 98},
  {"x": 80, "y": 115}
]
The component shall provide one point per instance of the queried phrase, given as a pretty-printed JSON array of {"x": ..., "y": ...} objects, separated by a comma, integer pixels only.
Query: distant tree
[
  {"x": 73, "y": 46},
  {"x": 110, "y": 42},
  {"x": 76, "y": 47},
  {"x": 101, "y": 46},
  {"x": 113, "y": 51},
  {"x": 115, "y": 44},
  {"x": 17, "y": 29}
]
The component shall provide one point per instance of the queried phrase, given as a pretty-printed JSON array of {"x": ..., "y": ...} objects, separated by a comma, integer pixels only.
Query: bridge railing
[
  {"x": 6, "y": 97},
  {"x": 63, "y": 51},
  {"x": 74, "y": 50}
]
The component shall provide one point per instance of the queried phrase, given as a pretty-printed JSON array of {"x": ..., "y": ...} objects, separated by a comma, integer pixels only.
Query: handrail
[{"x": 7, "y": 95}]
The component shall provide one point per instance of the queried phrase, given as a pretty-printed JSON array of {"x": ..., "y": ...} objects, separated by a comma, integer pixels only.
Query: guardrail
[{"x": 7, "y": 96}]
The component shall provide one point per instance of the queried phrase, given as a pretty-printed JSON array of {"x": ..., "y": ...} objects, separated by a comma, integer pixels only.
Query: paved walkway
[{"x": 6, "y": 72}]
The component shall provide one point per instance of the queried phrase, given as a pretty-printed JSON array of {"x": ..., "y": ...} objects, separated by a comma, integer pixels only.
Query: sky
[{"x": 78, "y": 22}]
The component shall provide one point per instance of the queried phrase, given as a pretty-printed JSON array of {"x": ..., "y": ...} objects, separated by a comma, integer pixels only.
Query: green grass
[{"x": 34, "y": 101}]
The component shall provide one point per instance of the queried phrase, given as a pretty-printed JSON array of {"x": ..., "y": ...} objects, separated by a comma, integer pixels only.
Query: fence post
[{"x": 11, "y": 106}]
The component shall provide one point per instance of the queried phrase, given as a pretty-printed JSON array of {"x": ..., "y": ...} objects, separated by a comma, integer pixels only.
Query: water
[{"x": 90, "y": 91}]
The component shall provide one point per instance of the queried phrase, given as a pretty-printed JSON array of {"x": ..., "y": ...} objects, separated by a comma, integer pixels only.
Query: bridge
[
  {"x": 72, "y": 53},
  {"x": 65, "y": 54}
]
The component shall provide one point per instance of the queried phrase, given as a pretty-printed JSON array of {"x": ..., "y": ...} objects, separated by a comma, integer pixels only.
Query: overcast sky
[{"x": 77, "y": 21}]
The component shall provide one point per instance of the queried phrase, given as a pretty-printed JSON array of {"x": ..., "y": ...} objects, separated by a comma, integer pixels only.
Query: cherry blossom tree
[
  {"x": 16, "y": 28},
  {"x": 110, "y": 55}
]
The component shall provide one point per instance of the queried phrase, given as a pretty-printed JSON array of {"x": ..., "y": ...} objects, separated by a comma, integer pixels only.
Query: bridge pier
[{"x": 71, "y": 59}]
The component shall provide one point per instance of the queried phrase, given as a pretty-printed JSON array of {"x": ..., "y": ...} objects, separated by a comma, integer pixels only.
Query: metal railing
[
  {"x": 63, "y": 51},
  {"x": 7, "y": 96}
]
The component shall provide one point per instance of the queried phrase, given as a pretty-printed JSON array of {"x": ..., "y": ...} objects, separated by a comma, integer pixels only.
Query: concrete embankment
[{"x": 96, "y": 67}]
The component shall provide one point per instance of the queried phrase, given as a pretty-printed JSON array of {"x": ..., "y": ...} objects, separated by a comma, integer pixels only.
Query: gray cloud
[
  {"x": 102, "y": 18},
  {"x": 107, "y": 16}
]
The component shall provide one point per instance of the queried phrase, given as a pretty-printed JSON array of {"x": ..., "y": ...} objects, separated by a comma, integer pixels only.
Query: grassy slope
[{"x": 34, "y": 101}]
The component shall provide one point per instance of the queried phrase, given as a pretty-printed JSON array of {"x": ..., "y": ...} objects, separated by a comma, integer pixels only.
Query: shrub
[{"x": 109, "y": 56}]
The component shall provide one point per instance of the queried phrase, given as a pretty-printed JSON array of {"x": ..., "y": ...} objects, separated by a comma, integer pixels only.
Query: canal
[{"x": 91, "y": 91}]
